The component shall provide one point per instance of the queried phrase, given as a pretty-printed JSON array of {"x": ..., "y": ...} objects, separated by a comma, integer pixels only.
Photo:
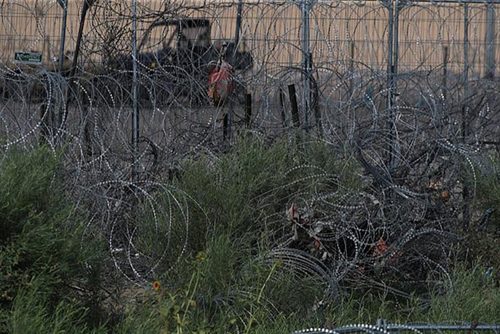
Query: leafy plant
[{"x": 43, "y": 237}]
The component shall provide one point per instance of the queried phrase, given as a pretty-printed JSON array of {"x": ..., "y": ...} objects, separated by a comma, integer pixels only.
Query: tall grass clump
[
  {"x": 482, "y": 240},
  {"x": 220, "y": 218},
  {"x": 474, "y": 296},
  {"x": 41, "y": 241},
  {"x": 241, "y": 190},
  {"x": 33, "y": 312},
  {"x": 212, "y": 232}
]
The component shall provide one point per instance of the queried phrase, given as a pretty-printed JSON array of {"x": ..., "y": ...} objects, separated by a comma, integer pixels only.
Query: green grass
[
  {"x": 482, "y": 240},
  {"x": 238, "y": 194},
  {"x": 209, "y": 231},
  {"x": 473, "y": 298},
  {"x": 41, "y": 257},
  {"x": 34, "y": 312}
]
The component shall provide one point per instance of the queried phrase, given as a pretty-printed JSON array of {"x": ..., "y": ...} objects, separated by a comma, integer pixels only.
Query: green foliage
[
  {"x": 214, "y": 226},
  {"x": 291, "y": 293},
  {"x": 43, "y": 237},
  {"x": 227, "y": 188},
  {"x": 475, "y": 295},
  {"x": 482, "y": 240},
  {"x": 231, "y": 202},
  {"x": 25, "y": 192},
  {"x": 488, "y": 190},
  {"x": 33, "y": 312},
  {"x": 213, "y": 299},
  {"x": 240, "y": 190}
]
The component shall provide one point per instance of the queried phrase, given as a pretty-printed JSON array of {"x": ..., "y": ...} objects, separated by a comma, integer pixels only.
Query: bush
[
  {"x": 474, "y": 296},
  {"x": 223, "y": 210},
  {"x": 215, "y": 226},
  {"x": 43, "y": 237},
  {"x": 243, "y": 190}
]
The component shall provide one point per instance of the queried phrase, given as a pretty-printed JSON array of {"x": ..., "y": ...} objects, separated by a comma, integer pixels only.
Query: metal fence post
[
  {"x": 239, "y": 12},
  {"x": 351, "y": 68},
  {"x": 466, "y": 193},
  {"x": 393, "y": 8},
  {"x": 444, "y": 85},
  {"x": 306, "y": 6},
  {"x": 64, "y": 5},
  {"x": 293, "y": 103},
  {"x": 135, "y": 109},
  {"x": 489, "y": 50},
  {"x": 466, "y": 71}
]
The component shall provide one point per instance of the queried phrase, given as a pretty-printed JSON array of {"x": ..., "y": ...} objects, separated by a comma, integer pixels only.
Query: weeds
[
  {"x": 209, "y": 234},
  {"x": 40, "y": 250}
]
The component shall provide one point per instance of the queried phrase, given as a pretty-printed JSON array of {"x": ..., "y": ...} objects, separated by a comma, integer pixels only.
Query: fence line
[
  {"x": 272, "y": 30},
  {"x": 303, "y": 42}
]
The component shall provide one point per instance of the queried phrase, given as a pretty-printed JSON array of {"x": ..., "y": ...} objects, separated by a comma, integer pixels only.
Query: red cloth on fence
[{"x": 220, "y": 83}]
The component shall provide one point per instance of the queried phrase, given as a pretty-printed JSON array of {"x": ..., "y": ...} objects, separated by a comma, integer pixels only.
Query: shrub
[
  {"x": 225, "y": 209},
  {"x": 43, "y": 236}
]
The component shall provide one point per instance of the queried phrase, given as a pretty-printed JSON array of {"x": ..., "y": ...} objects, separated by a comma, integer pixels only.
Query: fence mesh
[{"x": 340, "y": 32}]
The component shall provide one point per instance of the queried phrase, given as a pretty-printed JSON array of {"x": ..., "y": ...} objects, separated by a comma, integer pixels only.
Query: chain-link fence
[
  {"x": 336, "y": 33},
  {"x": 327, "y": 48}
]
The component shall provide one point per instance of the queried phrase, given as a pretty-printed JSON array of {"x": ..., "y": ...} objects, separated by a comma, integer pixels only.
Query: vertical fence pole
[
  {"x": 390, "y": 41},
  {"x": 351, "y": 68},
  {"x": 389, "y": 80},
  {"x": 135, "y": 108},
  {"x": 64, "y": 5},
  {"x": 489, "y": 50},
  {"x": 72, "y": 82},
  {"x": 392, "y": 63},
  {"x": 238, "y": 24},
  {"x": 226, "y": 127},
  {"x": 86, "y": 6},
  {"x": 395, "y": 57},
  {"x": 295, "y": 109},
  {"x": 314, "y": 99},
  {"x": 444, "y": 88},
  {"x": 466, "y": 72},
  {"x": 282, "y": 105},
  {"x": 306, "y": 96},
  {"x": 248, "y": 110},
  {"x": 466, "y": 194}
]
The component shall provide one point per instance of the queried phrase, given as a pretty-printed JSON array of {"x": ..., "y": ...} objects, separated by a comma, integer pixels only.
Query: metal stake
[
  {"x": 135, "y": 107},
  {"x": 489, "y": 65},
  {"x": 306, "y": 6},
  {"x": 64, "y": 5},
  {"x": 466, "y": 72},
  {"x": 392, "y": 68}
]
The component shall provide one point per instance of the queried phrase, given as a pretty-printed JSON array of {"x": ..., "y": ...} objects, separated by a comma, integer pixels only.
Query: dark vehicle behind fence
[{"x": 179, "y": 63}]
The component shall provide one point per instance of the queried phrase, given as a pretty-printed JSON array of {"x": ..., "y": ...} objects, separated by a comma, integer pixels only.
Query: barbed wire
[
  {"x": 395, "y": 234},
  {"x": 383, "y": 327}
]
